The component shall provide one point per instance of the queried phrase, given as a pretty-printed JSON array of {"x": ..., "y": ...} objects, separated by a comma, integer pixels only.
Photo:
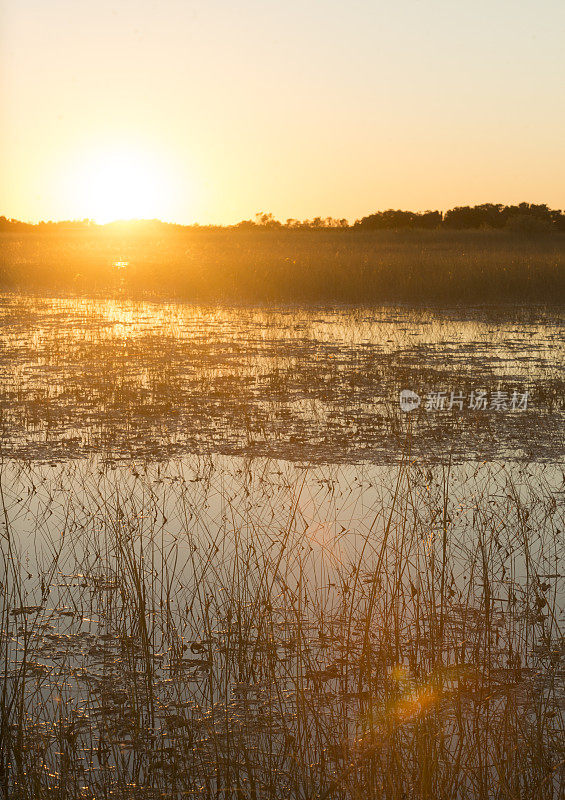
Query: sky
[{"x": 211, "y": 112}]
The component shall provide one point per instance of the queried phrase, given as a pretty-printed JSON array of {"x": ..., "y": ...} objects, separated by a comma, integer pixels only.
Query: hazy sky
[{"x": 213, "y": 111}]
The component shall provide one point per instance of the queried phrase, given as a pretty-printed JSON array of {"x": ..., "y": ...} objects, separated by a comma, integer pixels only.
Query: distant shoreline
[{"x": 521, "y": 218}]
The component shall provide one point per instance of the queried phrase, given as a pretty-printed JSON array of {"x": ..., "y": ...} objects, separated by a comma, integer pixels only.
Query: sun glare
[{"x": 121, "y": 185}]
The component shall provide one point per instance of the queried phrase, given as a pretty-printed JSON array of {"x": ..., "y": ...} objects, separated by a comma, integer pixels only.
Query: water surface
[{"x": 130, "y": 378}]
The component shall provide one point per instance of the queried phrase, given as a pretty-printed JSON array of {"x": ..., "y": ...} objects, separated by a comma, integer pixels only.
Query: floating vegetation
[
  {"x": 227, "y": 627},
  {"x": 139, "y": 379}
]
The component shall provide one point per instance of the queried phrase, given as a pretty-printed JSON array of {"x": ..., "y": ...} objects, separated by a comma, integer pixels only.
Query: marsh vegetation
[
  {"x": 261, "y": 263},
  {"x": 232, "y": 568},
  {"x": 245, "y": 628}
]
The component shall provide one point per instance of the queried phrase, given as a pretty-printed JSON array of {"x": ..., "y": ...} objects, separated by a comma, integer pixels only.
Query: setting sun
[
  {"x": 120, "y": 184},
  {"x": 282, "y": 417}
]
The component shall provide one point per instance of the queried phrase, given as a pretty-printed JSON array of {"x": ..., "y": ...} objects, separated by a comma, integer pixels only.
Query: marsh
[{"x": 234, "y": 567}]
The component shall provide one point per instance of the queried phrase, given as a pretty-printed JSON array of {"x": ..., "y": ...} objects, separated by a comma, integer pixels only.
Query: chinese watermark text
[{"x": 476, "y": 400}]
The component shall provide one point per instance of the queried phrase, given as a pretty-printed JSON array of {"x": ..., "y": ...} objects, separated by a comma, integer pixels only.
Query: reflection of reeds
[
  {"x": 289, "y": 265},
  {"x": 245, "y": 628}
]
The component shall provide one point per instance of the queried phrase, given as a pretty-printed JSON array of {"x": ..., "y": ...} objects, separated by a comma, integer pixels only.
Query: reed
[
  {"x": 288, "y": 265},
  {"x": 248, "y": 629}
]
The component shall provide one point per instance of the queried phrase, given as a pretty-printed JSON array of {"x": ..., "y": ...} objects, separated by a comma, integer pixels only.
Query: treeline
[{"x": 525, "y": 217}]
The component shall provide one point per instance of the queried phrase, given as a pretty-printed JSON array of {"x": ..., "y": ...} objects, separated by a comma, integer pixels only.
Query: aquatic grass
[
  {"x": 155, "y": 380},
  {"x": 288, "y": 265},
  {"x": 245, "y": 628}
]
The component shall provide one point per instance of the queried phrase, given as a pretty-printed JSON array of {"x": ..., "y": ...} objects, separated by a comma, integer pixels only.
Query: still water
[{"x": 234, "y": 567}]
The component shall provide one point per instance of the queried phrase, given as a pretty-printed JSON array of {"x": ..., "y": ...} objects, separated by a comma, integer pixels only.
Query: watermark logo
[
  {"x": 477, "y": 400},
  {"x": 409, "y": 400}
]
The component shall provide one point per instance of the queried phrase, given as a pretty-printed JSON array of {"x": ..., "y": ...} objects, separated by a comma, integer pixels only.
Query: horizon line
[{"x": 262, "y": 219}]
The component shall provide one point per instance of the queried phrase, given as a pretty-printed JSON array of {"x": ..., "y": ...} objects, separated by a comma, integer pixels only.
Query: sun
[{"x": 120, "y": 184}]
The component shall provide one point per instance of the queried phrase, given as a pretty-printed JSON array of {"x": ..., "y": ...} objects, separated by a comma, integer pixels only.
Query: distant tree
[
  {"x": 529, "y": 218},
  {"x": 558, "y": 219},
  {"x": 14, "y": 225},
  {"x": 398, "y": 220},
  {"x": 267, "y": 220},
  {"x": 525, "y": 216},
  {"x": 488, "y": 215},
  {"x": 430, "y": 219}
]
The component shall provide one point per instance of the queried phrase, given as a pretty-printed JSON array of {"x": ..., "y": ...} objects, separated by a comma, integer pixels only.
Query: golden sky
[{"x": 213, "y": 111}]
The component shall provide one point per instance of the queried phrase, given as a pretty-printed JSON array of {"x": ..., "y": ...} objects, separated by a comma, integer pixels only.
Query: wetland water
[
  {"x": 233, "y": 567},
  {"x": 125, "y": 378}
]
